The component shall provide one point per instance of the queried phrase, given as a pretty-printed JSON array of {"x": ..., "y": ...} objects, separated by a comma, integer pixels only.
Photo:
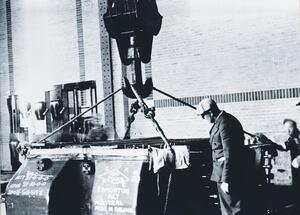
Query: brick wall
[
  {"x": 53, "y": 42},
  {"x": 204, "y": 48},
  {"x": 243, "y": 54},
  {"x": 210, "y": 48},
  {"x": 45, "y": 46},
  {"x": 92, "y": 49}
]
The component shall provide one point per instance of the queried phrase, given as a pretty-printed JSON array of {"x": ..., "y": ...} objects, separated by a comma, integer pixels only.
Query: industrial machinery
[
  {"x": 98, "y": 177},
  {"x": 110, "y": 180},
  {"x": 15, "y": 129},
  {"x": 112, "y": 177},
  {"x": 65, "y": 101}
]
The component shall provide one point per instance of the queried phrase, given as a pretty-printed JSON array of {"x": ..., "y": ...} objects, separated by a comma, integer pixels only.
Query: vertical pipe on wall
[
  {"x": 107, "y": 76},
  {"x": 10, "y": 48},
  {"x": 81, "y": 55}
]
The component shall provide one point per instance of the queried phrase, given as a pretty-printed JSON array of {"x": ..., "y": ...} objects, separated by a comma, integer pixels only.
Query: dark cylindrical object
[{"x": 14, "y": 113}]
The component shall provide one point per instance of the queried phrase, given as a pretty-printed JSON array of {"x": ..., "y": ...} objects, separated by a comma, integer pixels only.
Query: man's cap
[{"x": 206, "y": 105}]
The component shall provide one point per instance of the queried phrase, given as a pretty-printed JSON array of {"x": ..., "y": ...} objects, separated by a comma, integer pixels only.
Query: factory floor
[{"x": 277, "y": 200}]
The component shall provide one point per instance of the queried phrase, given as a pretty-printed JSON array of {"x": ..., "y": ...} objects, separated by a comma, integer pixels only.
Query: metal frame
[{"x": 106, "y": 60}]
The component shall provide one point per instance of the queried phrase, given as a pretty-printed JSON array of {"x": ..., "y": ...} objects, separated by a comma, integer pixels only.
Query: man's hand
[
  {"x": 296, "y": 162},
  {"x": 225, "y": 187}
]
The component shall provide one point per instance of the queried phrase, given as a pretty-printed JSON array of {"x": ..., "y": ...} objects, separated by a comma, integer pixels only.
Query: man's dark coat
[{"x": 227, "y": 143}]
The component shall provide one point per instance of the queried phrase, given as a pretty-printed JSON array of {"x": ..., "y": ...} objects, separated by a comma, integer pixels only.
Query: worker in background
[
  {"x": 293, "y": 141},
  {"x": 293, "y": 145}
]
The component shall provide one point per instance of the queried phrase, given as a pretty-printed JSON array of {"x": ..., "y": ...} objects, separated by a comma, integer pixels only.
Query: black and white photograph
[{"x": 150, "y": 107}]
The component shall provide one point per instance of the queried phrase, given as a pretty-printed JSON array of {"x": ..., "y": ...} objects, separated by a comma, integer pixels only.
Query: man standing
[
  {"x": 293, "y": 142},
  {"x": 227, "y": 143}
]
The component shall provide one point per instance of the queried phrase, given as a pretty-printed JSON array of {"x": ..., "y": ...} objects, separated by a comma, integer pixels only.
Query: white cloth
[{"x": 165, "y": 157}]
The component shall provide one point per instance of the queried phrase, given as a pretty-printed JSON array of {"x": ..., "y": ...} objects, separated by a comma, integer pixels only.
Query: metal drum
[
  {"x": 84, "y": 182},
  {"x": 102, "y": 180}
]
